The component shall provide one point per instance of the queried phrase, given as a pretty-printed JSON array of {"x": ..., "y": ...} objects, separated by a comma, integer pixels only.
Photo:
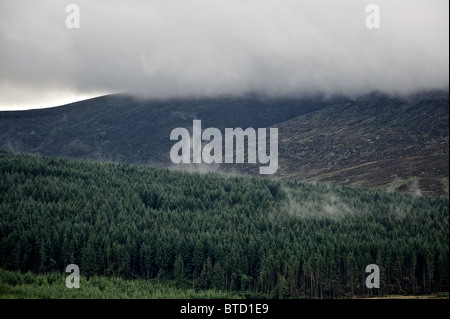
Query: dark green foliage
[
  {"x": 14, "y": 285},
  {"x": 256, "y": 236}
]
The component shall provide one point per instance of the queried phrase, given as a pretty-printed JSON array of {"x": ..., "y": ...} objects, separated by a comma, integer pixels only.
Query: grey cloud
[{"x": 210, "y": 47}]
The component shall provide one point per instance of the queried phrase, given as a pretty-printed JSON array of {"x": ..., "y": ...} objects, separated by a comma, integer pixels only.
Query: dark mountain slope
[
  {"x": 374, "y": 141},
  {"x": 121, "y": 128}
]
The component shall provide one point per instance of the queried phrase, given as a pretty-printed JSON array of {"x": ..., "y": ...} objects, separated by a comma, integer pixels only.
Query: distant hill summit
[{"x": 372, "y": 141}]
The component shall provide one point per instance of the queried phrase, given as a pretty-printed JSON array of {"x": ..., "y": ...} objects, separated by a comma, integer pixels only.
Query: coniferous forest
[{"x": 236, "y": 236}]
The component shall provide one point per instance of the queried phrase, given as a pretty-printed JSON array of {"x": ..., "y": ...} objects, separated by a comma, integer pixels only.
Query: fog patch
[{"x": 321, "y": 205}]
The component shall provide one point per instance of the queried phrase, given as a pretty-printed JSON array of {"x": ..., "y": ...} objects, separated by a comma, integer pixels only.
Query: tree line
[{"x": 260, "y": 237}]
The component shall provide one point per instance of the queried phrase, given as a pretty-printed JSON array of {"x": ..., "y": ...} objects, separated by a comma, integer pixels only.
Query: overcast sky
[{"x": 211, "y": 47}]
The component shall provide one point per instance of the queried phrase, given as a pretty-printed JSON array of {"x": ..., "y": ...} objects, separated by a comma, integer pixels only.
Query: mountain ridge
[{"x": 375, "y": 140}]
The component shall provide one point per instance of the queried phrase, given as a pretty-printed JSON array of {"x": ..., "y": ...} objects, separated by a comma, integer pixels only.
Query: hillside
[
  {"x": 124, "y": 129},
  {"x": 372, "y": 141},
  {"x": 252, "y": 236}
]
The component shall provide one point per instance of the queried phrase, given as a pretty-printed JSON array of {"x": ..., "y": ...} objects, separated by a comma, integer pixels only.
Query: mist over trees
[{"x": 259, "y": 237}]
